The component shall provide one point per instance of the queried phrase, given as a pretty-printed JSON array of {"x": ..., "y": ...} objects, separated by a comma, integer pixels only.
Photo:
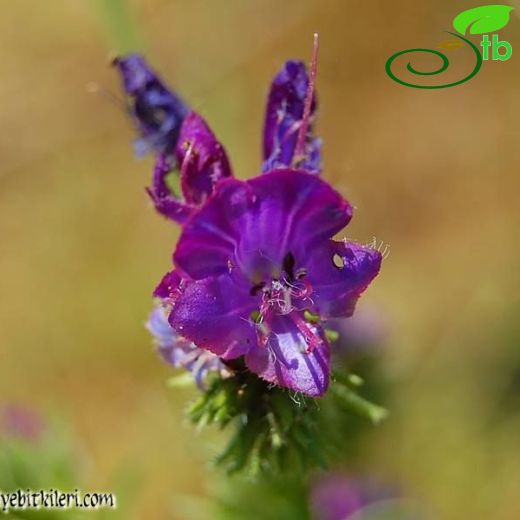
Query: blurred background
[{"x": 434, "y": 174}]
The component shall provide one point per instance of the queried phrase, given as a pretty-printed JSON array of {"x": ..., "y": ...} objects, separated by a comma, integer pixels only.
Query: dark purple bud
[
  {"x": 201, "y": 161},
  {"x": 286, "y": 116},
  {"x": 157, "y": 111}
]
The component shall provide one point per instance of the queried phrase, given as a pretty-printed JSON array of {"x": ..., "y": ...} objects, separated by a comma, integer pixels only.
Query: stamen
[
  {"x": 311, "y": 318},
  {"x": 305, "y": 291},
  {"x": 186, "y": 160},
  {"x": 256, "y": 317},
  {"x": 263, "y": 327},
  {"x": 313, "y": 340},
  {"x": 302, "y": 135},
  {"x": 295, "y": 127}
]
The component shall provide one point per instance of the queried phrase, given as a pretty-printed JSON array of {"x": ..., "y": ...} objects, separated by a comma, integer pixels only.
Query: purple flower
[
  {"x": 181, "y": 138},
  {"x": 158, "y": 112},
  {"x": 23, "y": 423},
  {"x": 253, "y": 259},
  {"x": 336, "y": 496},
  {"x": 180, "y": 352},
  {"x": 256, "y": 270}
]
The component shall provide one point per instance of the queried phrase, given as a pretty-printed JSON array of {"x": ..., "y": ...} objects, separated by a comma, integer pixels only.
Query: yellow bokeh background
[{"x": 434, "y": 174}]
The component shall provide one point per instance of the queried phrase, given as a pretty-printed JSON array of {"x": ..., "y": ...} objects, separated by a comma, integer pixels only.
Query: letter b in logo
[{"x": 497, "y": 45}]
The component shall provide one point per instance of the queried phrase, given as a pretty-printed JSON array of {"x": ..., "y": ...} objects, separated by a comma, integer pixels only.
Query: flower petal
[
  {"x": 208, "y": 241},
  {"x": 180, "y": 352},
  {"x": 165, "y": 202},
  {"x": 158, "y": 112},
  {"x": 215, "y": 314},
  {"x": 338, "y": 274},
  {"x": 170, "y": 282},
  {"x": 201, "y": 158},
  {"x": 254, "y": 224},
  {"x": 202, "y": 163},
  {"x": 286, "y": 361},
  {"x": 295, "y": 211},
  {"x": 160, "y": 329},
  {"x": 284, "y": 112}
]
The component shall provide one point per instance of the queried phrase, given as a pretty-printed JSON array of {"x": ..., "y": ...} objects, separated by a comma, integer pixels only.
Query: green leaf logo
[{"x": 484, "y": 19}]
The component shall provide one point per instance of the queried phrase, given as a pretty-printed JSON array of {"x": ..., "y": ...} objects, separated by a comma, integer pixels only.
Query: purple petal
[
  {"x": 159, "y": 327},
  {"x": 169, "y": 283},
  {"x": 201, "y": 158},
  {"x": 284, "y": 112},
  {"x": 286, "y": 360},
  {"x": 339, "y": 272},
  {"x": 165, "y": 202},
  {"x": 294, "y": 212},
  {"x": 209, "y": 240},
  {"x": 158, "y": 112},
  {"x": 215, "y": 314},
  {"x": 335, "y": 497},
  {"x": 180, "y": 352},
  {"x": 202, "y": 162},
  {"x": 254, "y": 224}
]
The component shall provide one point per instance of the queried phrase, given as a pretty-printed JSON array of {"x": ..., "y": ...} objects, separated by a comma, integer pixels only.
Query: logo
[{"x": 479, "y": 20}]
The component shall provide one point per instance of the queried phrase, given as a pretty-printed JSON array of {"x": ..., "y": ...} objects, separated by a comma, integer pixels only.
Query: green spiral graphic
[{"x": 442, "y": 68}]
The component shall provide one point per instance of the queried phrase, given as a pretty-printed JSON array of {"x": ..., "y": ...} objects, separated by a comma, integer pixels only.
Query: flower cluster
[{"x": 256, "y": 271}]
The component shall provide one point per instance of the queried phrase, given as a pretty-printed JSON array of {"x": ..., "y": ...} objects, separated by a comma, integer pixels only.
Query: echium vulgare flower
[{"x": 256, "y": 271}]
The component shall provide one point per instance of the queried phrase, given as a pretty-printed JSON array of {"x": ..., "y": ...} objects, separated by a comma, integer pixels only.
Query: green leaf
[
  {"x": 357, "y": 404},
  {"x": 484, "y": 19}
]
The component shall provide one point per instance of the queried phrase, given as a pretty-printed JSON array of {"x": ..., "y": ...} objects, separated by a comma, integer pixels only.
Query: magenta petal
[
  {"x": 169, "y": 283},
  {"x": 339, "y": 273},
  {"x": 285, "y": 360},
  {"x": 209, "y": 240},
  {"x": 294, "y": 212},
  {"x": 284, "y": 113},
  {"x": 254, "y": 224},
  {"x": 215, "y": 314},
  {"x": 165, "y": 202},
  {"x": 201, "y": 158}
]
